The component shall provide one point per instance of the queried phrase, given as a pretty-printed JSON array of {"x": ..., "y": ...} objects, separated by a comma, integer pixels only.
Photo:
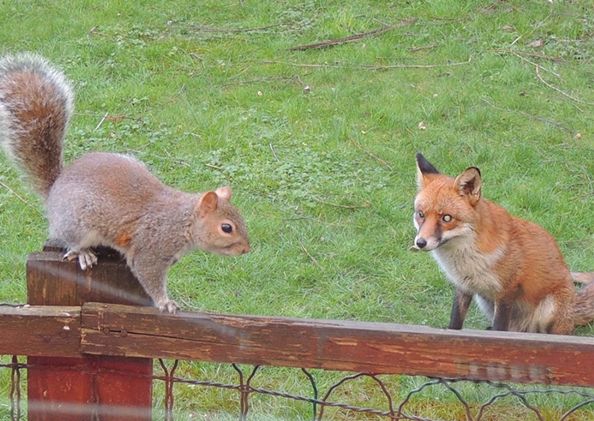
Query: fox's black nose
[{"x": 421, "y": 243}]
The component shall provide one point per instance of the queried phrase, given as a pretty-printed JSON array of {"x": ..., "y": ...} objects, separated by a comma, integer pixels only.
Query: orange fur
[
  {"x": 123, "y": 239},
  {"x": 512, "y": 267}
]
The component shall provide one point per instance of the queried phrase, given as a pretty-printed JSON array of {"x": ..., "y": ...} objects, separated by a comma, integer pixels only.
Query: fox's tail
[
  {"x": 35, "y": 106},
  {"x": 584, "y": 306}
]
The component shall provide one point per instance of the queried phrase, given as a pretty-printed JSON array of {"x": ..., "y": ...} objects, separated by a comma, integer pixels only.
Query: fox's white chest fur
[{"x": 469, "y": 269}]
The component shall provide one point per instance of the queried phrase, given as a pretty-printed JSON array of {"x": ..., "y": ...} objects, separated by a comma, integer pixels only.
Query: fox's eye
[
  {"x": 446, "y": 218},
  {"x": 420, "y": 214},
  {"x": 227, "y": 228}
]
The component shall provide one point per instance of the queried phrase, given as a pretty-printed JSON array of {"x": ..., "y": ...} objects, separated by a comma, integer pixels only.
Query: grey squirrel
[{"x": 106, "y": 198}]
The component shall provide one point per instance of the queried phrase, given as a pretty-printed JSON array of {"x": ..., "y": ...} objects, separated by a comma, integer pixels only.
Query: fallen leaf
[{"x": 537, "y": 43}]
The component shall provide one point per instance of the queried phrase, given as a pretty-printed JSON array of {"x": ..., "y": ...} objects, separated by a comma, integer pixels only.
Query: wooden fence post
[{"x": 89, "y": 387}]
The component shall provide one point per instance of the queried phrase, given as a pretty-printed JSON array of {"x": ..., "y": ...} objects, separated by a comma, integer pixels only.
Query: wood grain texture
[
  {"x": 39, "y": 330},
  {"x": 338, "y": 345},
  {"x": 52, "y": 281}
]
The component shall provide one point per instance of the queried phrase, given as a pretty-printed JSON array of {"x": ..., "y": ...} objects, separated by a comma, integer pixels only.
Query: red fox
[{"x": 512, "y": 267}]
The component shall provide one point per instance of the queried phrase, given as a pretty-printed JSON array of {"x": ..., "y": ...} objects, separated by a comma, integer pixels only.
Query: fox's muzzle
[{"x": 426, "y": 244}]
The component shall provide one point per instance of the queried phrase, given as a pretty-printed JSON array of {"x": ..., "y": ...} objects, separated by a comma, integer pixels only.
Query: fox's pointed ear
[
  {"x": 469, "y": 184},
  {"x": 208, "y": 203},
  {"x": 424, "y": 171},
  {"x": 224, "y": 192}
]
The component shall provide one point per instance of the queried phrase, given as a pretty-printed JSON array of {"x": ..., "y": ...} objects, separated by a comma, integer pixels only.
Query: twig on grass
[
  {"x": 282, "y": 79},
  {"x": 214, "y": 167},
  {"x": 372, "y": 155},
  {"x": 313, "y": 259},
  {"x": 422, "y": 47},
  {"x": 203, "y": 28},
  {"x": 579, "y": 101},
  {"x": 299, "y": 218},
  {"x": 178, "y": 161},
  {"x": 273, "y": 151},
  {"x": 418, "y": 66},
  {"x": 516, "y": 40},
  {"x": 521, "y": 57},
  {"x": 368, "y": 66},
  {"x": 101, "y": 121},
  {"x": 555, "y": 59},
  {"x": 21, "y": 198},
  {"x": 351, "y": 38},
  {"x": 531, "y": 116},
  {"x": 336, "y": 205},
  {"x": 169, "y": 158}
]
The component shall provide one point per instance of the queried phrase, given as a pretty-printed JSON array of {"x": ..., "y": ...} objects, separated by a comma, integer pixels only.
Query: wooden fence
[
  {"x": 113, "y": 330},
  {"x": 87, "y": 353}
]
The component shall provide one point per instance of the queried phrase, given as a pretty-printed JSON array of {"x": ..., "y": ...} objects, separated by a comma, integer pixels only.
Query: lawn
[{"x": 318, "y": 144}]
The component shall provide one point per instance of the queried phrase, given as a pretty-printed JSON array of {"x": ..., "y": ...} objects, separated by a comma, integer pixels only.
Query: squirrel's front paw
[
  {"x": 168, "y": 306},
  {"x": 86, "y": 258}
]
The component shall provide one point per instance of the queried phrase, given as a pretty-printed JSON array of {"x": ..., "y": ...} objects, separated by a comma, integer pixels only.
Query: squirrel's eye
[
  {"x": 227, "y": 228},
  {"x": 420, "y": 214},
  {"x": 446, "y": 218}
]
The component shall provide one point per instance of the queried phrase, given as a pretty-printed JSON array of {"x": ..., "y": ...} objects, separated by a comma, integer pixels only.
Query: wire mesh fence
[{"x": 195, "y": 390}]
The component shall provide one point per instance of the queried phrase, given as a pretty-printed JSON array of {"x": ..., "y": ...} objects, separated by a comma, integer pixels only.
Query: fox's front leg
[
  {"x": 502, "y": 315},
  {"x": 459, "y": 309}
]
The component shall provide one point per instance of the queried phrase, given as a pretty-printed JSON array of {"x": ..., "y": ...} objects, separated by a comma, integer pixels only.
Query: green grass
[{"x": 207, "y": 93}]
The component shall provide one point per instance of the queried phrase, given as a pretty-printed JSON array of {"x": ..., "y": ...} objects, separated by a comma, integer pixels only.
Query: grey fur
[{"x": 104, "y": 198}]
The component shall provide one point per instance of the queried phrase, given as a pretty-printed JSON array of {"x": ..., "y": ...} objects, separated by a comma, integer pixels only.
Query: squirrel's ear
[
  {"x": 224, "y": 192},
  {"x": 207, "y": 204},
  {"x": 425, "y": 171},
  {"x": 469, "y": 184}
]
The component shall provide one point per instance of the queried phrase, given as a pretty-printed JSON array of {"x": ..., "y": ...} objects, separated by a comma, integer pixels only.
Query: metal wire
[
  {"x": 15, "y": 389},
  {"x": 319, "y": 404},
  {"x": 169, "y": 381},
  {"x": 398, "y": 404}
]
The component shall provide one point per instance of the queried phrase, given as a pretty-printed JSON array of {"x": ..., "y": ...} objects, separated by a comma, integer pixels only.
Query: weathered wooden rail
[{"x": 381, "y": 348}]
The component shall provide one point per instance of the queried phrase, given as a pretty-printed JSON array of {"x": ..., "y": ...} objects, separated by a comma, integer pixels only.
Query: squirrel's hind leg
[{"x": 86, "y": 258}]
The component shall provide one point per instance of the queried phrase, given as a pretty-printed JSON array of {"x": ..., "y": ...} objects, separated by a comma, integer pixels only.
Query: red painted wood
[
  {"x": 85, "y": 388},
  {"x": 88, "y": 387}
]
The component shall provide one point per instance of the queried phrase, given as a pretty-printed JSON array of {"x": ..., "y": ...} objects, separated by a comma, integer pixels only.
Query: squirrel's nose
[
  {"x": 421, "y": 243},
  {"x": 245, "y": 249}
]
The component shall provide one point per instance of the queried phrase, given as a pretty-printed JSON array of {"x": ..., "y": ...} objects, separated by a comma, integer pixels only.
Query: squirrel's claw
[
  {"x": 70, "y": 255},
  {"x": 86, "y": 258}
]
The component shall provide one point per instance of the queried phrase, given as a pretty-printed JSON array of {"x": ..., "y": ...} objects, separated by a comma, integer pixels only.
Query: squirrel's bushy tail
[
  {"x": 584, "y": 306},
  {"x": 36, "y": 102}
]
